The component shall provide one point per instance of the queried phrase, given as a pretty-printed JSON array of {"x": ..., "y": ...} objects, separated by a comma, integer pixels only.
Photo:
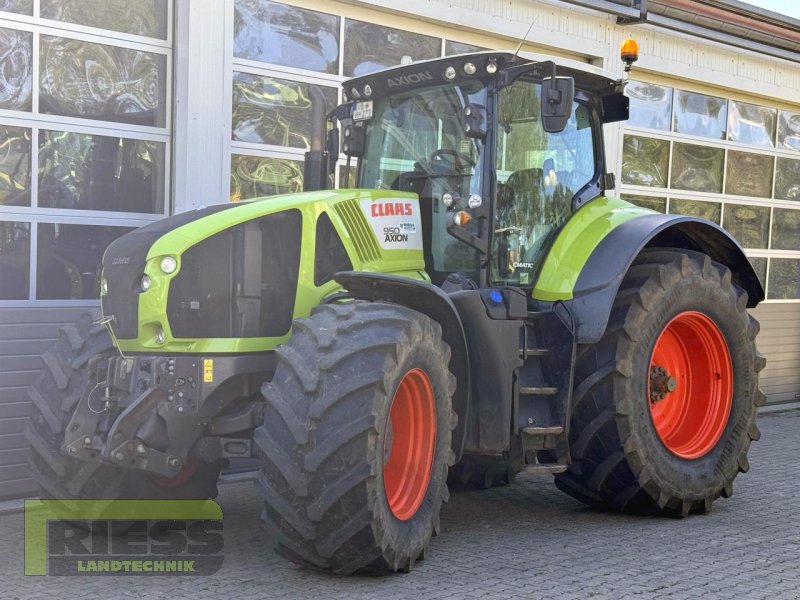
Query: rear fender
[
  {"x": 602, "y": 274},
  {"x": 433, "y": 302}
]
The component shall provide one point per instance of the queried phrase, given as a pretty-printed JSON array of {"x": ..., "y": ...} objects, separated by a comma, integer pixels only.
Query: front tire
[
  {"x": 664, "y": 407},
  {"x": 356, "y": 438}
]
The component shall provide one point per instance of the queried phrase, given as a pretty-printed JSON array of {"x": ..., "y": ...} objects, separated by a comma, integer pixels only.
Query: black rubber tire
[
  {"x": 54, "y": 395},
  {"x": 323, "y": 436},
  {"x": 618, "y": 460}
]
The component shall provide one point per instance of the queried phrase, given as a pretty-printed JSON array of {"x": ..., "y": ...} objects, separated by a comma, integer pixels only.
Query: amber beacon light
[{"x": 629, "y": 53}]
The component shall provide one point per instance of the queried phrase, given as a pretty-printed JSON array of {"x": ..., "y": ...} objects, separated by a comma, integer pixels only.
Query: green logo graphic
[{"x": 123, "y": 537}]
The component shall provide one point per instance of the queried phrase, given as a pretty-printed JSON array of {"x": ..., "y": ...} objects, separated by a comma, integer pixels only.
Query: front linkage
[{"x": 152, "y": 413}]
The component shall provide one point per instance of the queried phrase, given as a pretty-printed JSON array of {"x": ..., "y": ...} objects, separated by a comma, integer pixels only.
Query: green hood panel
[
  {"x": 380, "y": 231},
  {"x": 575, "y": 243}
]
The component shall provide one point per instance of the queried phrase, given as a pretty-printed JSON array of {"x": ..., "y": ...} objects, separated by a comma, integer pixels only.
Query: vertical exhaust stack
[{"x": 315, "y": 167}]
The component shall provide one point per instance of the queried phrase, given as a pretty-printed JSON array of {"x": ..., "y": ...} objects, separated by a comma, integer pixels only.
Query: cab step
[
  {"x": 526, "y": 352},
  {"x": 545, "y": 468},
  {"x": 555, "y": 430},
  {"x": 538, "y": 391}
]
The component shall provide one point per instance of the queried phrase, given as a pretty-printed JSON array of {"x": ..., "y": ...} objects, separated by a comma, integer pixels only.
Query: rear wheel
[
  {"x": 664, "y": 406},
  {"x": 356, "y": 438},
  {"x": 54, "y": 396}
]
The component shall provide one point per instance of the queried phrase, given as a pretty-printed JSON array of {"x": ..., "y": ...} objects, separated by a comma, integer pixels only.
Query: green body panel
[
  {"x": 575, "y": 243},
  {"x": 153, "y": 302}
]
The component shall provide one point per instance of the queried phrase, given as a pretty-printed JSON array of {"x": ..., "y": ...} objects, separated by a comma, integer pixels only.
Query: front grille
[{"x": 240, "y": 282}]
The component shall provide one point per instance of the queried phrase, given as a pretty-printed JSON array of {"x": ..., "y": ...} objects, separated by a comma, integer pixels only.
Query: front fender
[{"x": 602, "y": 274}]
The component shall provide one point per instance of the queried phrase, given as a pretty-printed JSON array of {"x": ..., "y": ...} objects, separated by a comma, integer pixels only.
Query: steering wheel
[{"x": 452, "y": 159}]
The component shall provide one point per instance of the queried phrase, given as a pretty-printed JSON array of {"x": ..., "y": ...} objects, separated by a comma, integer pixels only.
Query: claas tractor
[{"x": 475, "y": 305}]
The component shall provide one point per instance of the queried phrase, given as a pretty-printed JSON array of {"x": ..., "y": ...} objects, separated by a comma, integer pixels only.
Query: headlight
[
  {"x": 169, "y": 264},
  {"x": 144, "y": 283},
  {"x": 104, "y": 286},
  {"x": 160, "y": 336}
]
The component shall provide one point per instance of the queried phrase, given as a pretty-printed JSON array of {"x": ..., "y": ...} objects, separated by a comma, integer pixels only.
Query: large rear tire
[
  {"x": 54, "y": 395},
  {"x": 356, "y": 438},
  {"x": 664, "y": 407}
]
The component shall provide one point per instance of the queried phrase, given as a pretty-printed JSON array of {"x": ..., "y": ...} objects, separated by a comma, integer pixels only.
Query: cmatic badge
[{"x": 395, "y": 221}]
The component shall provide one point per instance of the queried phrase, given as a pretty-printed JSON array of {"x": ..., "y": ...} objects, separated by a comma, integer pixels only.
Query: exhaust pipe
[{"x": 315, "y": 167}]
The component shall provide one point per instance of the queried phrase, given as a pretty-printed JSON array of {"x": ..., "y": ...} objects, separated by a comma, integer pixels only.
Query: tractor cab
[{"x": 500, "y": 149}]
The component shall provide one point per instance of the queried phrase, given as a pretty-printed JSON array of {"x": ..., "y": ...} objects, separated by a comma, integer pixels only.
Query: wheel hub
[{"x": 661, "y": 383}]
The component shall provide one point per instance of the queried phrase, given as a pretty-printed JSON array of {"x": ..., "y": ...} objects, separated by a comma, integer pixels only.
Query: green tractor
[{"x": 475, "y": 307}]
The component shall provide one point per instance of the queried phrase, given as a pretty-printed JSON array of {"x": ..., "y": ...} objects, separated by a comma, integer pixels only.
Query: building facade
[{"x": 114, "y": 114}]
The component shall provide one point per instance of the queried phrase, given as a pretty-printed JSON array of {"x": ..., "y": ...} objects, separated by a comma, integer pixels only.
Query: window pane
[
  {"x": 652, "y": 202},
  {"x": 784, "y": 279},
  {"x": 97, "y": 172},
  {"x": 69, "y": 259},
  {"x": 139, "y": 17},
  {"x": 21, "y": 7},
  {"x": 268, "y": 110},
  {"x": 787, "y": 179},
  {"x": 350, "y": 176},
  {"x": 749, "y": 174},
  {"x": 698, "y": 114},
  {"x": 15, "y": 245},
  {"x": 254, "y": 176},
  {"x": 369, "y": 47},
  {"x": 785, "y": 229},
  {"x": 451, "y": 47},
  {"x": 15, "y": 166},
  {"x": 696, "y": 208},
  {"x": 16, "y": 68},
  {"x": 95, "y": 81},
  {"x": 651, "y": 105},
  {"x": 697, "y": 168},
  {"x": 286, "y": 35},
  {"x": 760, "y": 267},
  {"x": 751, "y": 124},
  {"x": 645, "y": 161},
  {"x": 748, "y": 224},
  {"x": 789, "y": 131}
]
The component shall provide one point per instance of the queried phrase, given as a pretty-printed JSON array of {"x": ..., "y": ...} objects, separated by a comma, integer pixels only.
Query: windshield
[
  {"x": 415, "y": 141},
  {"x": 422, "y": 131}
]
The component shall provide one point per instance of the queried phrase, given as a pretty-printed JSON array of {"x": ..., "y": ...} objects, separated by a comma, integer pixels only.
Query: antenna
[{"x": 524, "y": 38}]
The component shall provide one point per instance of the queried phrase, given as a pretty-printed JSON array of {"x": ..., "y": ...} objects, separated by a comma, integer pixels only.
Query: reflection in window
[
  {"x": 369, "y": 47},
  {"x": 15, "y": 166},
  {"x": 749, "y": 174},
  {"x": 96, "y": 81},
  {"x": 16, "y": 68},
  {"x": 760, "y": 267},
  {"x": 651, "y": 202},
  {"x": 97, "y": 172},
  {"x": 789, "y": 131},
  {"x": 787, "y": 179},
  {"x": 15, "y": 244},
  {"x": 751, "y": 124},
  {"x": 645, "y": 161},
  {"x": 21, "y": 7},
  {"x": 268, "y": 110},
  {"x": 697, "y": 168},
  {"x": 651, "y": 105},
  {"x": 139, "y": 17},
  {"x": 785, "y": 229},
  {"x": 451, "y": 47},
  {"x": 69, "y": 258},
  {"x": 698, "y": 114},
  {"x": 255, "y": 176},
  {"x": 748, "y": 224},
  {"x": 696, "y": 208},
  {"x": 784, "y": 279},
  {"x": 286, "y": 35}
]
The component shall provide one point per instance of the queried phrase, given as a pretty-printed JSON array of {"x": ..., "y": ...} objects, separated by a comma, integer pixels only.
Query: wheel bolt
[{"x": 119, "y": 457}]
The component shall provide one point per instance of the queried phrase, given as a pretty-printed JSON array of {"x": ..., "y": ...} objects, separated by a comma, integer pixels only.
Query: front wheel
[
  {"x": 356, "y": 438},
  {"x": 664, "y": 407}
]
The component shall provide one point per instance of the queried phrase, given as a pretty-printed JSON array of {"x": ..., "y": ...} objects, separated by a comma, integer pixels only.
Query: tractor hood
[{"x": 233, "y": 277}]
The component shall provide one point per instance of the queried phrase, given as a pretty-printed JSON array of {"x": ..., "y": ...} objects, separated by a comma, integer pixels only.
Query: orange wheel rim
[
  {"x": 690, "y": 385},
  {"x": 409, "y": 444}
]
